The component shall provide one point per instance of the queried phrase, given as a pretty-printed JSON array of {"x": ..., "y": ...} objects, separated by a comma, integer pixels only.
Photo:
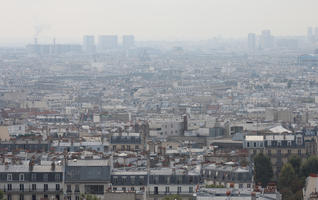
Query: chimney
[
  {"x": 31, "y": 164},
  {"x": 253, "y": 196},
  {"x": 6, "y": 165},
  {"x": 173, "y": 171},
  {"x": 185, "y": 122},
  {"x": 53, "y": 166}
]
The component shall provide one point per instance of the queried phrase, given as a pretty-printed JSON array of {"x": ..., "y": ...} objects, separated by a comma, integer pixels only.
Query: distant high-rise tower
[
  {"x": 128, "y": 41},
  {"x": 316, "y": 33},
  {"x": 106, "y": 42},
  {"x": 266, "y": 39},
  {"x": 89, "y": 44},
  {"x": 309, "y": 34},
  {"x": 251, "y": 41}
]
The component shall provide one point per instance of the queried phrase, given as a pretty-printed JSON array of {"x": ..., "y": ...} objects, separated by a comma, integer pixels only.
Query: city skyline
[{"x": 153, "y": 20}]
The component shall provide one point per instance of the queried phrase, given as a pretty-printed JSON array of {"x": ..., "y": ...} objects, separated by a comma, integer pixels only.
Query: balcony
[{"x": 14, "y": 190}]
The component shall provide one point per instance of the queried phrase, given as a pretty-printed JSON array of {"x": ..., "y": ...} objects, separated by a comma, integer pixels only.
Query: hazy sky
[{"x": 155, "y": 19}]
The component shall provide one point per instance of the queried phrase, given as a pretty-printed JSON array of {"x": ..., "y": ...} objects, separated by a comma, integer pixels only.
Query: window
[
  {"x": 9, "y": 197},
  {"x": 57, "y": 177},
  {"x": 299, "y": 141},
  {"x": 248, "y": 185},
  {"x": 114, "y": 189},
  {"x": 33, "y": 177},
  {"x": 77, "y": 188},
  {"x": 46, "y": 187},
  {"x": 190, "y": 189},
  {"x": 156, "y": 179},
  {"x": 179, "y": 189},
  {"x": 289, "y": 151},
  {"x": 77, "y": 198},
  {"x": 191, "y": 179},
  {"x": 132, "y": 179},
  {"x": 33, "y": 196},
  {"x": 45, "y": 177},
  {"x": 128, "y": 147},
  {"x": 248, "y": 144},
  {"x": 9, "y": 177},
  {"x": 57, "y": 187},
  {"x": 240, "y": 185},
  {"x": 132, "y": 189},
  {"x": 136, "y": 147},
  {"x": 94, "y": 189},
  {"x": 279, "y": 151},
  {"x": 124, "y": 179},
  {"x": 33, "y": 186},
  {"x": 21, "y": 197},
  {"x": 68, "y": 188},
  {"x": 9, "y": 187},
  {"x": 115, "y": 179},
  {"x": 21, "y": 187},
  {"x": 254, "y": 144},
  {"x": 21, "y": 177},
  {"x": 299, "y": 152},
  {"x": 269, "y": 152},
  {"x": 123, "y": 189},
  {"x": 167, "y": 189}
]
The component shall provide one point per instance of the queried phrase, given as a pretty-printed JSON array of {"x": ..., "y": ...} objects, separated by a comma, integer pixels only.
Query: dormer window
[
  {"x": 9, "y": 177},
  {"x": 21, "y": 177}
]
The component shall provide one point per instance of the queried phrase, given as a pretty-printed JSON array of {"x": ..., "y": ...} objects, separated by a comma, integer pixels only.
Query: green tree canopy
[
  {"x": 172, "y": 197},
  {"x": 263, "y": 169},
  {"x": 89, "y": 197},
  {"x": 295, "y": 161},
  {"x": 310, "y": 166},
  {"x": 287, "y": 176},
  {"x": 1, "y": 195},
  {"x": 289, "y": 183}
]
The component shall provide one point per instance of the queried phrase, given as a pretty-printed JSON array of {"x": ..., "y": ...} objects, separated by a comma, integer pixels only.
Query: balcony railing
[{"x": 16, "y": 190}]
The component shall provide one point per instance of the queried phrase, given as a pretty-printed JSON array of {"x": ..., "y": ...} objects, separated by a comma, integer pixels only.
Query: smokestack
[
  {"x": 253, "y": 196},
  {"x": 185, "y": 122},
  {"x": 53, "y": 166}
]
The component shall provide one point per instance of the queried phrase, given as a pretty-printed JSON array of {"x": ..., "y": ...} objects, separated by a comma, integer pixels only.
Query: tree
[
  {"x": 310, "y": 166},
  {"x": 263, "y": 169},
  {"x": 289, "y": 183},
  {"x": 295, "y": 161},
  {"x": 172, "y": 197},
  {"x": 287, "y": 176},
  {"x": 89, "y": 197},
  {"x": 2, "y": 195}
]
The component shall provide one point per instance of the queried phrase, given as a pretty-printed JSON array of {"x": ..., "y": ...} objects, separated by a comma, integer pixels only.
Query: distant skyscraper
[
  {"x": 316, "y": 33},
  {"x": 106, "y": 42},
  {"x": 128, "y": 41},
  {"x": 89, "y": 43},
  {"x": 266, "y": 39},
  {"x": 251, "y": 41},
  {"x": 310, "y": 34}
]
